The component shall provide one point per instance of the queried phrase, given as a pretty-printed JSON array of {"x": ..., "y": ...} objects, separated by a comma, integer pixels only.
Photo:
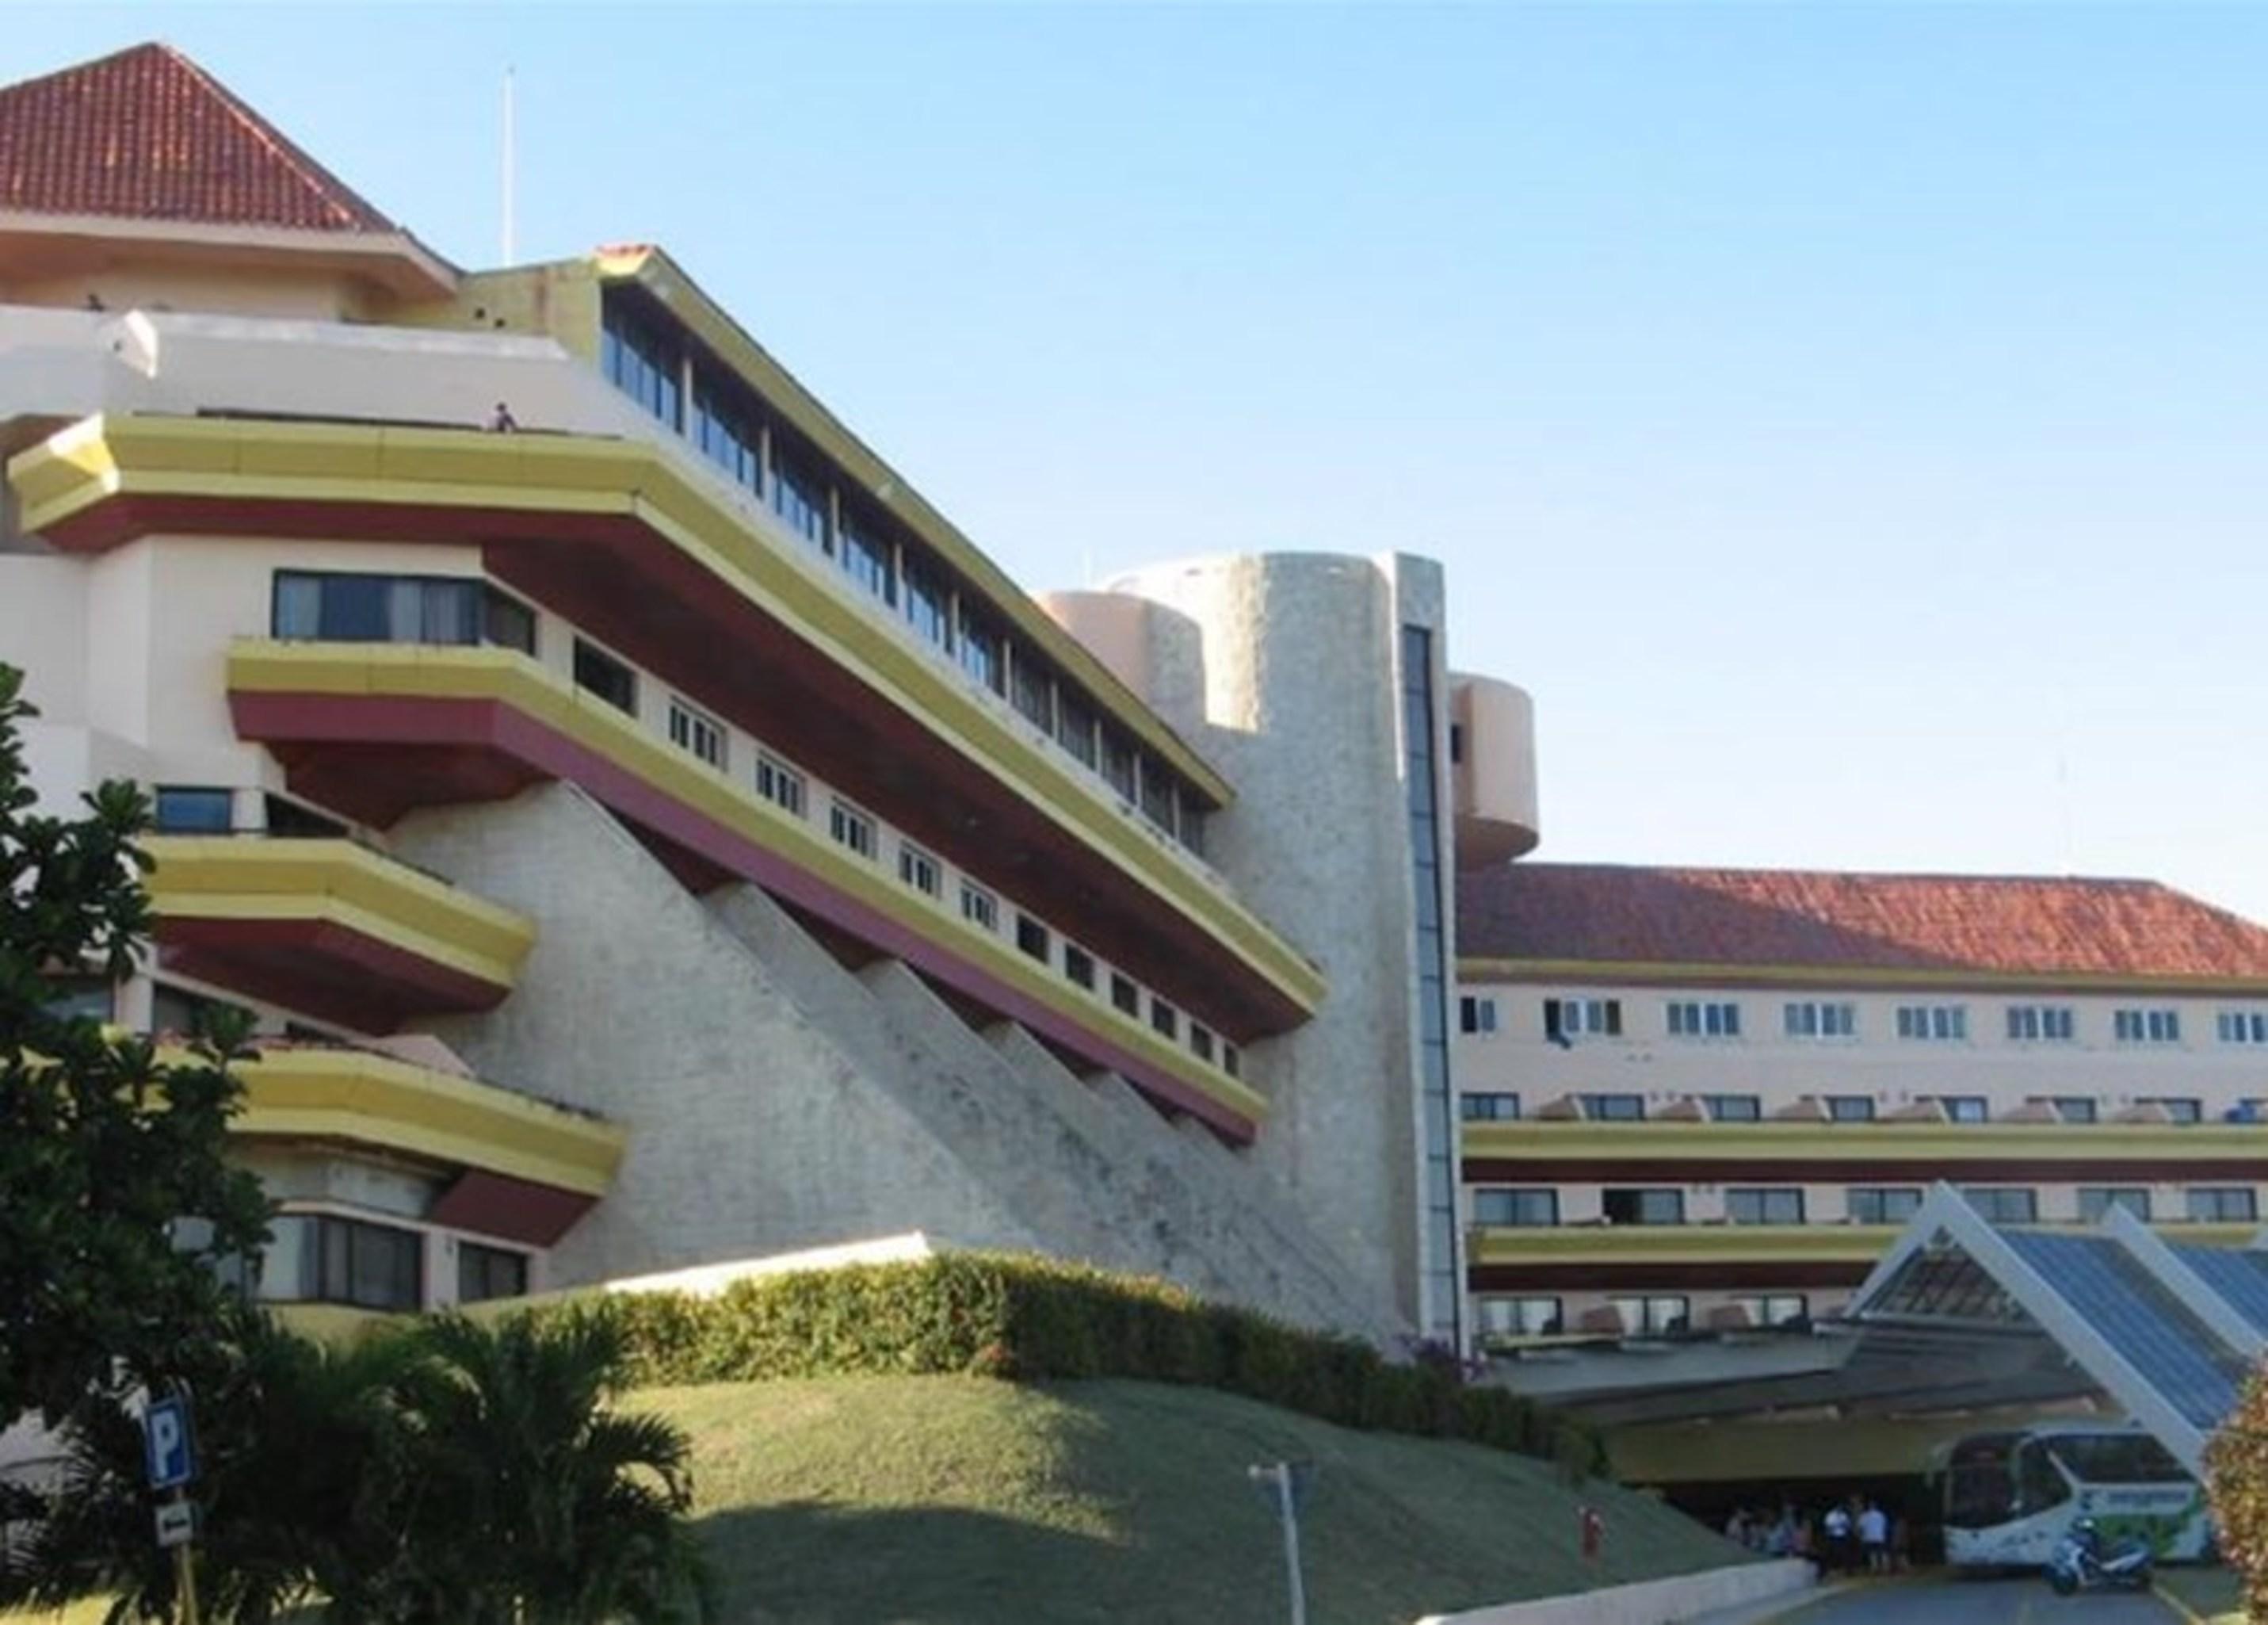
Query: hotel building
[
  {"x": 647, "y": 833},
  {"x": 650, "y": 836},
  {"x": 1698, "y": 1099}
]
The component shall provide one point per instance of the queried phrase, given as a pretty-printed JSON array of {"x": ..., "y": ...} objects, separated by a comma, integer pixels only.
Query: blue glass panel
[{"x": 2238, "y": 1276}]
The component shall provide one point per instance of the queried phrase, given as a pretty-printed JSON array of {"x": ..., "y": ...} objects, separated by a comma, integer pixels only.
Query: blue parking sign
[{"x": 168, "y": 1449}]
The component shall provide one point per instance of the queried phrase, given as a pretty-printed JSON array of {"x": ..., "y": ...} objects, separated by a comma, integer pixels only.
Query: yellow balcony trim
[
  {"x": 369, "y": 1099},
  {"x": 505, "y": 675},
  {"x": 1477, "y": 969},
  {"x": 337, "y": 883},
  {"x": 101, "y": 457},
  {"x": 1986, "y": 1144}
]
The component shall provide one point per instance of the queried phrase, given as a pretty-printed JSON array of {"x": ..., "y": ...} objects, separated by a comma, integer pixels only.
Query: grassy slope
[{"x": 951, "y": 1502}]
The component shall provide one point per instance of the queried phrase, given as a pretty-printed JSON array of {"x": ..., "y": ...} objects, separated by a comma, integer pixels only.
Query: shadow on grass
[{"x": 809, "y": 1563}]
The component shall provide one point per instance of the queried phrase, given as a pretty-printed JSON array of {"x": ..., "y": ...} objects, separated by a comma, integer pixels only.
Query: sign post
[
  {"x": 169, "y": 1456},
  {"x": 1285, "y": 1485}
]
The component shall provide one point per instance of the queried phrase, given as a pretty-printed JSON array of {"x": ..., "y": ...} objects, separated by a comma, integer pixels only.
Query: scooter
[{"x": 2081, "y": 1564}]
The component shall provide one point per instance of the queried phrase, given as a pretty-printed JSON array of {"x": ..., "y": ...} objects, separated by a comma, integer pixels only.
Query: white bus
[{"x": 2008, "y": 1497}]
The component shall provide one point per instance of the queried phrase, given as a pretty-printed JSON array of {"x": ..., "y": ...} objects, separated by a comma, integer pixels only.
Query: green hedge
[{"x": 1034, "y": 1319}]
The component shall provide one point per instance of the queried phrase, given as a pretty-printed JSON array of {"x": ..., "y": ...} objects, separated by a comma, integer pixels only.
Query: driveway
[{"x": 2025, "y": 1602}]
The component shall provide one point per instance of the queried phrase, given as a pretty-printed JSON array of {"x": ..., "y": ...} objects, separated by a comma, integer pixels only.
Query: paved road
[{"x": 1984, "y": 1602}]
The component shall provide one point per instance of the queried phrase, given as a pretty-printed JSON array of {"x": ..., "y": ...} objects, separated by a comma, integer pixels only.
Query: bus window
[
  {"x": 2040, "y": 1483},
  {"x": 2116, "y": 1459},
  {"x": 1980, "y": 1485}
]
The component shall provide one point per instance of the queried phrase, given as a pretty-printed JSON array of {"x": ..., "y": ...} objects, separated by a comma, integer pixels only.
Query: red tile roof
[
  {"x": 148, "y": 135},
  {"x": 1769, "y": 918}
]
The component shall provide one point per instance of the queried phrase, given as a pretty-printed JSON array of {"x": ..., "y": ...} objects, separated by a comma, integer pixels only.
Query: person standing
[
  {"x": 1875, "y": 1537},
  {"x": 1835, "y": 1527}
]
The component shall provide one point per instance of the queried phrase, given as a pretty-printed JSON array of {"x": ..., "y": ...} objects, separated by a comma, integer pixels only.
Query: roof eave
[{"x": 395, "y": 260}]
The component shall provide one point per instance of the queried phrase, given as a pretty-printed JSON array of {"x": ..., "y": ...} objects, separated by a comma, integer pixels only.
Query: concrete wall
[
  {"x": 1650, "y": 1602},
  {"x": 1281, "y": 669},
  {"x": 1494, "y": 772},
  {"x": 777, "y": 1101}
]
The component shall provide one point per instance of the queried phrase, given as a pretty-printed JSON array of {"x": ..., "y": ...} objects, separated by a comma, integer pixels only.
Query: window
[
  {"x": 2096, "y": 1201},
  {"x": 2177, "y": 1108},
  {"x": 727, "y": 438},
  {"x": 639, "y": 360},
  {"x": 1527, "y": 1209},
  {"x": 1521, "y": 1317},
  {"x": 604, "y": 675},
  {"x": 377, "y": 609},
  {"x": 1075, "y": 727},
  {"x": 1733, "y": 1108},
  {"x": 1157, "y": 798},
  {"x": 1125, "y": 997},
  {"x": 1572, "y": 1018},
  {"x": 979, "y": 906},
  {"x": 779, "y": 784},
  {"x": 917, "y": 869},
  {"x": 2242, "y": 1026},
  {"x": 1811, "y": 1019},
  {"x": 1201, "y": 1042},
  {"x": 697, "y": 732},
  {"x": 1643, "y": 1206},
  {"x": 1776, "y": 1205},
  {"x": 1483, "y": 1106},
  {"x": 289, "y": 820},
  {"x": 1937, "y": 1024},
  {"x": 1693, "y": 1019},
  {"x": 177, "y": 1009},
  {"x": 1963, "y": 1108},
  {"x": 2073, "y": 1108},
  {"x": 485, "y": 1273},
  {"x": 799, "y": 498},
  {"x": 1230, "y": 1062},
  {"x": 2230, "y": 1204},
  {"x": 979, "y": 649},
  {"x": 1775, "y": 1308},
  {"x": 1849, "y": 1108},
  {"x": 70, "y": 998},
  {"x": 1476, "y": 1014},
  {"x": 2158, "y": 1026},
  {"x": 1031, "y": 690},
  {"x": 1614, "y": 1108},
  {"x": 2041, "y": 1024},
  {"x": 505, "y": 621},
  {"x": 929, "y": 605},
  {"x": 1163, "y": 1018},
  {"x": 1653, "y": 1317},
  {"x": 183, "y": 811},
  {"x": 866, "y": 559},
  {"x": 1078, "y": 970},
  {"x": 2003, "y": 1204},
  {"x": 852, "y": 828},
  {"x": 1118, "y": 762},
  {"x": 1882, "y": 1204},
  {"x": 320, "y": 1259},
  {"x": 1032, "y": 938}
]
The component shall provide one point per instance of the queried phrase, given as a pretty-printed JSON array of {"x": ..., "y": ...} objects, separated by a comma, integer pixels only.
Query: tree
[
  {"x": 2236, "y": 1486},
  {"x": 119, "y": 1197},
  {"x": 539, "y": 1502}
]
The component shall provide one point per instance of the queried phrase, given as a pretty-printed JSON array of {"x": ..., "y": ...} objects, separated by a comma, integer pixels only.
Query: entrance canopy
[{"x": 1961, "y": 1315}]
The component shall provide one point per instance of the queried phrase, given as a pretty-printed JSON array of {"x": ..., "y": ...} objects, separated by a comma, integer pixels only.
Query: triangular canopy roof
[{"x": 148, "y": 135}]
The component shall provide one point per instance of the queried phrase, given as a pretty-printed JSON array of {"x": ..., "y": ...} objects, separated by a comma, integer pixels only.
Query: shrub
[{"x": 1034, "y": 1319}]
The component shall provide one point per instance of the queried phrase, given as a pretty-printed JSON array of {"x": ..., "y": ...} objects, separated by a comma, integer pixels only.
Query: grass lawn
[{"x": 857, "y": 1501}]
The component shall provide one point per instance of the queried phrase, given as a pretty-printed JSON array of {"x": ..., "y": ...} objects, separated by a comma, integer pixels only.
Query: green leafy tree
[
  {"x": 540, "y": 1500},
  {"x": 111, "y": 1164}
]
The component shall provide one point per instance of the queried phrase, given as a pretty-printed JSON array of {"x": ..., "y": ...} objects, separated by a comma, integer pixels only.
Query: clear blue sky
[{"x": 1852, "y": 424}]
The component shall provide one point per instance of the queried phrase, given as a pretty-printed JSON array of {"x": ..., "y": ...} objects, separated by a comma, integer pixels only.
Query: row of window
[
  {"x": 1530, "y": 1209},
  {"x": 757, "y": 451},
  {"x": 324, "y": 1258},
  {"x": 1655, "y": 1314},
  {"x": 1502, "y": 1106},
  {"x": 858, "y": 832},
  {"x": 1568, "y": 1018}
]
